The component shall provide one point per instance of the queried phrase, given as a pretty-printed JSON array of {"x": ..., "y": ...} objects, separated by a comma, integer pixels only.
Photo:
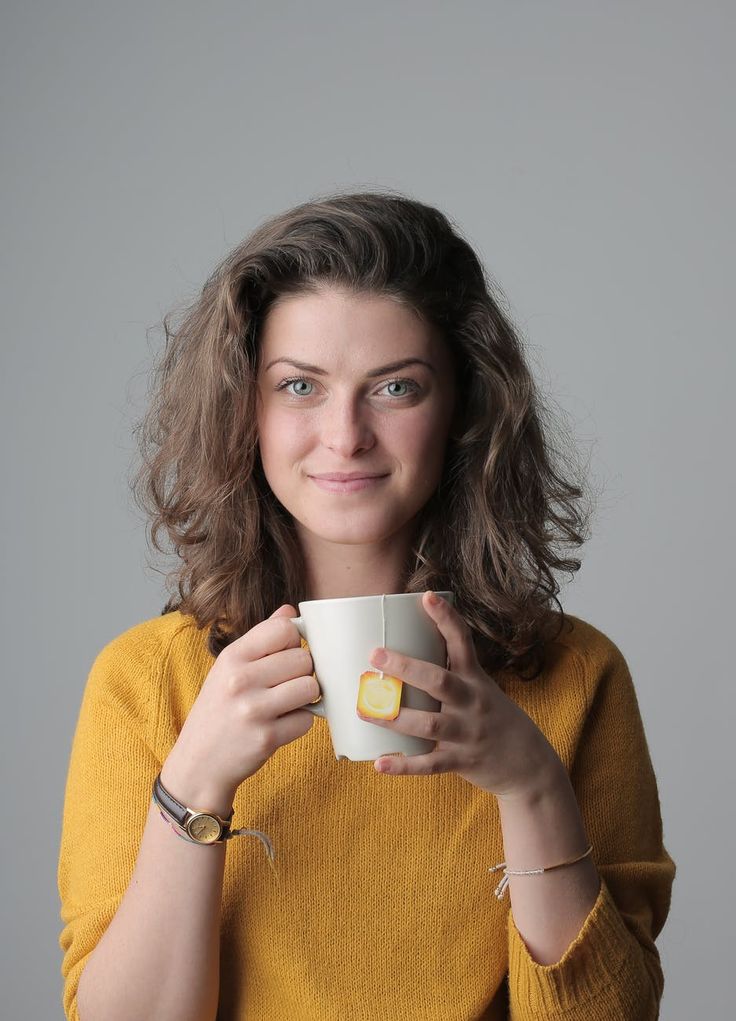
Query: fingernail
[
  {"x": 432, "y": 598},
  {"x": 379, "y": 657}
]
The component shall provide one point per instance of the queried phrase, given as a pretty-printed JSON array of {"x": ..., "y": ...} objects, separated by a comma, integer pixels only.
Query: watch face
[{"x": 204, "y": 828}]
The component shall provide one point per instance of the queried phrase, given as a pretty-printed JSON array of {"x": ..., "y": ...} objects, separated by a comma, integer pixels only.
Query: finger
[
  {"x": 293, "y": 694},
  {"x": 435, "y": 680},
  {"x": 458, "y": 636},
  {"x": 272, "y": 635},
  {"x": 295, "y": 724},
  {"x": 414, "y": 765},
  {"x": 282, "y": 666},
  {"x": 287, "y": 610},
  {"x": 418, "y": 723}
]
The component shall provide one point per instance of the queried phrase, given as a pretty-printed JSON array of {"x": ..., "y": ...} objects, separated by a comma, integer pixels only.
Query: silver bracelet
[{"x": 501, "y": 888}]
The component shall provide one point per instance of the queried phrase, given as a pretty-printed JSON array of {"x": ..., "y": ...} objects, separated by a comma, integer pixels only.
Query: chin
[{"x": 356, "y": 532}]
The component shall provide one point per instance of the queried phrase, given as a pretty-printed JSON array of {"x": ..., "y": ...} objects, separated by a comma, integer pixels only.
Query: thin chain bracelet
[{"x": 501, "y": 888}]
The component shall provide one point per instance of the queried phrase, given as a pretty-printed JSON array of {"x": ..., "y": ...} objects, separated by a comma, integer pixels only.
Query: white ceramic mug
[{"x": 341, "y": 634}]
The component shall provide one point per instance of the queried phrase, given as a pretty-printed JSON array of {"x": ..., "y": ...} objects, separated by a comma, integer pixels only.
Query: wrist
[
  {"x": 194, "y": 788},
  {"x": 548, "y": 779}
]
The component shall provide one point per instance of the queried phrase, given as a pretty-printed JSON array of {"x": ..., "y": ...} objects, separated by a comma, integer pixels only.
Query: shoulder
[
  {"x": 585, "y": 679},
  {"x": 579, "y": 654},
  {"x": 586, "y": 667},
  {"x": 586, "y": 651},
  {"x": 153, "y": 635},
  {"x": 137, "y": 659}
]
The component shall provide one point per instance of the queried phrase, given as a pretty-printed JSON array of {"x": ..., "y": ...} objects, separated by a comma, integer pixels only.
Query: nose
[{"x": 346, "y": 427}]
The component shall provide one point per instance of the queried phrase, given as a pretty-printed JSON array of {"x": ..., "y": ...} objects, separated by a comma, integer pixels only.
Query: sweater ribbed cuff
[{"x": 589, "y": 965}]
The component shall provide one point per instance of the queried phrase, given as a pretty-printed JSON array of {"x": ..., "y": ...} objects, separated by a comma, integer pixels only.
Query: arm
[
  {"x": 142, "y": 907},
  {"x": 159, "y": 957},
  {"x": 542, "y": 827},
  {"x": 576, "y": 951},
  {"x": 142, "y": 923},
  {"x": 598, "y": 938}
]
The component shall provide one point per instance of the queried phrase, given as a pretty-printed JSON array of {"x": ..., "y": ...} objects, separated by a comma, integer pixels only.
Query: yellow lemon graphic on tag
[{"x": 379, "y": 697}]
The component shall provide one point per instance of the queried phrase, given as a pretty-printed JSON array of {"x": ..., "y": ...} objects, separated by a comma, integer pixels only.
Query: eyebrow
[{"x": 391, "y": 367}]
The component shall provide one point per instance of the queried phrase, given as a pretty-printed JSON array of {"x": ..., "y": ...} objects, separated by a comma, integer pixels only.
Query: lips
[
  {"x": 347, "y": 476},
  {"x": 347, "y": 482}
]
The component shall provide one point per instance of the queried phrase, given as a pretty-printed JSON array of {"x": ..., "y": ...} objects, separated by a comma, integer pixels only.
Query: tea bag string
[{"x": 383, "y": 623}]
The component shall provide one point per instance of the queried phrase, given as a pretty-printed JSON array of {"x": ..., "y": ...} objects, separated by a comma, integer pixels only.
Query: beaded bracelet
[{"x": 501, "y": 888}]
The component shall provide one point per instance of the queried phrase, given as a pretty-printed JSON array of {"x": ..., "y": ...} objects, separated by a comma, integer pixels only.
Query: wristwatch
[{"x": 202, "y": 827}]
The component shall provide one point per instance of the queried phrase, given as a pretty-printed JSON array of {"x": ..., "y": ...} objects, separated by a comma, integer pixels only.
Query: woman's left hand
[{"x": 480, "y": 733}]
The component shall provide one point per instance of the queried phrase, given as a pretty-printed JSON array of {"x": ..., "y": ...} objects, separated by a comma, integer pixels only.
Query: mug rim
[{"x": 357, "y": 599}]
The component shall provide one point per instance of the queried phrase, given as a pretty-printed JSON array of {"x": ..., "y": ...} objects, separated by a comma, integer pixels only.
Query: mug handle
[{"x": 314, "y": 707}]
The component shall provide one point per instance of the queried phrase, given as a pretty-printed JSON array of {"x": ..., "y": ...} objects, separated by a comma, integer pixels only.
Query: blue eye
[
  {"x": 301, "y": 387},
  {"x": 401, "y": 387}
]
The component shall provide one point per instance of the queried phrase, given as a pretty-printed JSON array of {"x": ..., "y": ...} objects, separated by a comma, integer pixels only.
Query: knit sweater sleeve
[
  {"x": 612, "y": 968},
  {"x": 111, "y": 767}
]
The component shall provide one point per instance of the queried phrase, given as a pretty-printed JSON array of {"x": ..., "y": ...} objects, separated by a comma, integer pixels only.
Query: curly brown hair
[{"x": 508, "y": 500}]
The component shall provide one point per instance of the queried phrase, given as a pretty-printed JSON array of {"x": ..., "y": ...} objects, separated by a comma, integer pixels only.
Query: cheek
[
  {"x": 422, "y": 437},
  {"x": 280, "y": 437}
]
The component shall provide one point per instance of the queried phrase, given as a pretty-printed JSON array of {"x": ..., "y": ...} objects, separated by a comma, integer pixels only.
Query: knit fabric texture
[{"x": 379, "y": 903}]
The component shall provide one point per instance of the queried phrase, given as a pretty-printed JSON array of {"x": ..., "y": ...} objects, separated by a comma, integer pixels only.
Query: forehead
[{"x": 335, "y": 328}]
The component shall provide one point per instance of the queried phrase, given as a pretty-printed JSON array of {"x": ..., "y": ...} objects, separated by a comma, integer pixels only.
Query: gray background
[{"x": 584, "y": 148}]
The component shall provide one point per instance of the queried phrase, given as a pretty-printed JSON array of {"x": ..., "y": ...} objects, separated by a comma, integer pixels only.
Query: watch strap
[{"x": 181, "y": 814}]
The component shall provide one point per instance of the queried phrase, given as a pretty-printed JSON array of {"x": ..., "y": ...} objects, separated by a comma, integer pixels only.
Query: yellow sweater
[{"x": 382, "y": 905}]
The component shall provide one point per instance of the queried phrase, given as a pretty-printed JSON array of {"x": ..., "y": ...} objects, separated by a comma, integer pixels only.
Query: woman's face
[{"x": 355, "y": 398}]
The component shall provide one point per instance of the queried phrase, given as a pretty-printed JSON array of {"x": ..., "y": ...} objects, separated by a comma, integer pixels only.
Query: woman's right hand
[{"x": 248, "y": 706}]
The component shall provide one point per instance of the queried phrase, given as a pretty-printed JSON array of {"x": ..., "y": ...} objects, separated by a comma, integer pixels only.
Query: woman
[{"x": 346, "y": 410}]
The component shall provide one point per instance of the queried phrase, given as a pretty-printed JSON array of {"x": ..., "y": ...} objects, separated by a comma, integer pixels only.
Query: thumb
[{"x": 287, "y": 610}]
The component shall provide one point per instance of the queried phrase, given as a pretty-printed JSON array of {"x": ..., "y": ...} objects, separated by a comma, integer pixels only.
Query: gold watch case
[{"x": 205, "y": 829}]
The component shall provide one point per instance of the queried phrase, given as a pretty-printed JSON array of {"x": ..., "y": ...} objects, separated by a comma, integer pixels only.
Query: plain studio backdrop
[{"x": 585, "y": 149}]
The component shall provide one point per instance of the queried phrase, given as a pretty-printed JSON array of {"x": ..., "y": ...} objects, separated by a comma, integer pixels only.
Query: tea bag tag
[{"x": 379, "y": 695}]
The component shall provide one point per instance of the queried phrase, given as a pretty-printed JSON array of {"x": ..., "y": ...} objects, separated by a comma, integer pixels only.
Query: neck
[{"x": 334, "y": 570}]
